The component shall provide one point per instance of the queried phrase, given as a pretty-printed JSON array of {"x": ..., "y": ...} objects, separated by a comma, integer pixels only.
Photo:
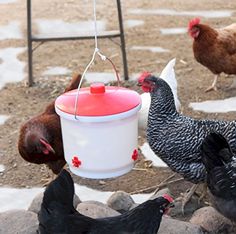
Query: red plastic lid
[{"x": 98, "y": 100}]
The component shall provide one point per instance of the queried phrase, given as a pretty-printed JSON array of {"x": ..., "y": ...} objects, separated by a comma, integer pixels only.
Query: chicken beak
[
  {"x": 171, "y": 205},
  {"x": 48, "y": 147},
  {"x": 168, "y": 207}
]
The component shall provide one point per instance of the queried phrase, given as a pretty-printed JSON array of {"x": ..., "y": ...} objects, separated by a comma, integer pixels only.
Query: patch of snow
[
  {"x": 51, "y": 71},
  {"x": 59, "y": 27},
  {"x": 142, "y": 197},
  {"x": 3, "y": 118},
  {"x": 86, "y": 194},
  {"x": 2, "y": 168},
  {"x": 133, "y": 23},
  {"x": 13, "y": 198},
  {"x": 150, "y": 48},
  {"x": 104, "y": 77},
  {"x": 150, "y": 155},
  {"x": 11, "y": 31},
  {"x": 173, "y": 31},
  {"x": 215, "y": 106},
  {"x": 7, "y": 1},
  {"x": 11, "y": 69},
  {"x": 206, "y": 14}
]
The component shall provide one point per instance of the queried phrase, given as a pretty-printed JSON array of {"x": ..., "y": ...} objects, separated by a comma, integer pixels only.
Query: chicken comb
[
  {"x": 168, "y": 198},
  {"x": 143, "y": 76},
  {"x": 193, "y": 23}
]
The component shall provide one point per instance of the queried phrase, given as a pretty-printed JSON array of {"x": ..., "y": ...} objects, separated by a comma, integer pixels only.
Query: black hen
[
  {"x": 220, "y": 163},
  {"x": 57, "y": 214},
  {"x": 176, "y": 138}
]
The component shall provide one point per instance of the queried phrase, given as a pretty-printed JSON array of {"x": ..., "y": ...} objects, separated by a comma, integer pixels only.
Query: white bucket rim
[
  {"x": 103, "y": 174},
  {"x": 96, "y": 119}
]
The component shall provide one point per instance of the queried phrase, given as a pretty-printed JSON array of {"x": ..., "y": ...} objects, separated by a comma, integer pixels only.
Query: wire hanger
[{"x": 96, "y": 52}]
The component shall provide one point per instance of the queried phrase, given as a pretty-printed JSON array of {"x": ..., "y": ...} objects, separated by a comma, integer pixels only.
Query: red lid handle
[{"x": 97, "y": 88}]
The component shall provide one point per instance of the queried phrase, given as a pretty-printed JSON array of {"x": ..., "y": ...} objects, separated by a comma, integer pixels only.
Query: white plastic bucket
[{"x": 100, "y": 145}]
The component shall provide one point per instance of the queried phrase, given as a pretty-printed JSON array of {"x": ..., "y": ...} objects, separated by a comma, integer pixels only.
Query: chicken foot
[
  {"x": 204, "y": 192},
  {"x": 188, "y": 195},
  {"x": 213, "y": 86}
]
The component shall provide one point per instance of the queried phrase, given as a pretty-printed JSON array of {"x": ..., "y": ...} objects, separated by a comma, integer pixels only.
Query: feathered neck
[
  {"x": 162, "y": 100},
  {"x": 207, "y": 34}
]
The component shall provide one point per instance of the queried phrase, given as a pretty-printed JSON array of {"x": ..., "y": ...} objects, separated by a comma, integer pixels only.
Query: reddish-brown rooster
[
  {"x": 40, "y": 138},
  {"x": 214, "y": 48}
]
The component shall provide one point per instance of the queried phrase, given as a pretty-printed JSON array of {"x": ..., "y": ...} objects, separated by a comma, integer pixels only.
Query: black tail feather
[
  {"x": 220, "y": 164},
  {"x": 215, "y": 151}
]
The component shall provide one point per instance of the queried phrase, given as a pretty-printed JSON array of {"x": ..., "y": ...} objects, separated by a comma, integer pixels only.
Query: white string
[
  {"x": 96, "y": 51},
  {"x": 103, "y": 57},
  {"x": 95, "y": 23}
]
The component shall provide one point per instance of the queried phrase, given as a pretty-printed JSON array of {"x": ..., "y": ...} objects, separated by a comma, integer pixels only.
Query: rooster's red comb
[
  {"x": 143, "y": 76},
  {"x": 168, "y": 198},
  {"x": 193, "y": 23}
]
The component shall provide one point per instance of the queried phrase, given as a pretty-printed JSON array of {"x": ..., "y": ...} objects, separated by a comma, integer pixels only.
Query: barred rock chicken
[
  {"x": 168, "y": 74},
  {"x": 40, "y": 138},
  {"x": 57, "y": 214},
  {"x": 214, "y": 48},
  {"x": 220, "y": 163},
  {"x": 176, "y": 138}
]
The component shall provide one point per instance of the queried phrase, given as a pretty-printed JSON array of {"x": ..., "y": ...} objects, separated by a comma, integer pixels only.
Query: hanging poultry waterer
[{"x": 100, "y": 132}]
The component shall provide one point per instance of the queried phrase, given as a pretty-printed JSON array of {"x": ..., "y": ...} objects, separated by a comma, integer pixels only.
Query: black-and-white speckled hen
[
  {"x": 176, "y": 138},
  {"x": 220, "y": 163}
]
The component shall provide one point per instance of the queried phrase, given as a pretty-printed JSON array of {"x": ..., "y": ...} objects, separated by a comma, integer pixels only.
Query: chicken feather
[
  {"x": 40, "y": 138},
  {"x": 57, "y": 214},
  {"x": 176, "y": 138},
  {"x": 214, "y": 48},
  {"x": 220, "y": 163},
  {"x": 168, "y": 74}
]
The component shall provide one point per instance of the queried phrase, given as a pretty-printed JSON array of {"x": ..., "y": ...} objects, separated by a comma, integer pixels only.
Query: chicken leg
[
  {"x": 188, "y": 194},
  {"x": 213, "y": 86}
]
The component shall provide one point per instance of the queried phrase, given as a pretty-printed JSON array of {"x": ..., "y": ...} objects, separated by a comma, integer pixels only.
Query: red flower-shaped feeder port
[
  {"x": 135, "y": 155},
  {"x": 76, "y": 162}
]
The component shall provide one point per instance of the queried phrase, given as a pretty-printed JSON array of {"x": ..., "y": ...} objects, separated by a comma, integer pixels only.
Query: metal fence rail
[{"x": 110, "y": 34}]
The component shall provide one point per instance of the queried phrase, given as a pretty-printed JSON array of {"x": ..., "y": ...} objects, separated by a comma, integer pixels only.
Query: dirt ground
[{"x": 22, "y": 102}]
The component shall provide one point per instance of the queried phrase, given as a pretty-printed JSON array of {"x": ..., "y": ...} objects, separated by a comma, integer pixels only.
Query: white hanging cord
[
  {"x": 96, "y": 51},
  {"x": 95, "y": 24}
]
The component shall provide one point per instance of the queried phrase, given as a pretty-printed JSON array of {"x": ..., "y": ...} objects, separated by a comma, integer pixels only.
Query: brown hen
[
  {"x": 40, "y": 138},
  {"x": 214, "y": 48}
]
